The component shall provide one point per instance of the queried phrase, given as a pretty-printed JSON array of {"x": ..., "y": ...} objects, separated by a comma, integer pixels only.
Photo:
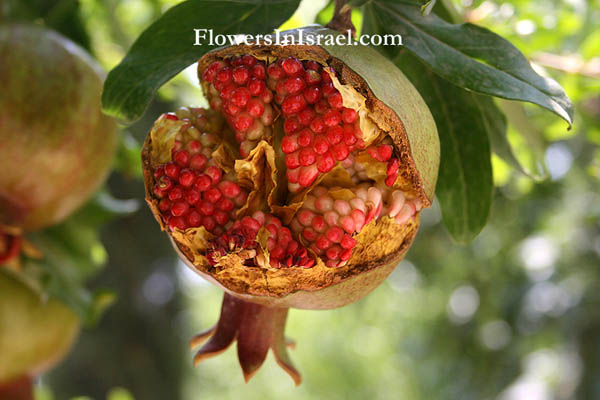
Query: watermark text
[{"x": 208, "y": 37}]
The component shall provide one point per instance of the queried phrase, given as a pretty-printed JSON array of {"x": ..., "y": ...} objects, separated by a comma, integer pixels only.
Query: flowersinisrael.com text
[{"x": 207, "y": 37}]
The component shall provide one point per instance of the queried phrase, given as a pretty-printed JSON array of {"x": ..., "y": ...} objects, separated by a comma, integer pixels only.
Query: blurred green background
[{"x": 515, "y": 315}]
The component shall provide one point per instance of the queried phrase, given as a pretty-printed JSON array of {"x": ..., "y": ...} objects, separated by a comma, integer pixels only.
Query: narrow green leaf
[
  {"x": 495, "y": 126},
  {"x": 465, "y": 183},
  {"x": 63, "y": 271},
  {"x": 167, "y": 47},
  {"x": 532, "y": 149},
  {"x": 101, "y": 301},
  {"x": 470, "y": 56},
  {"x": 427, "y": 7},
  {"x": 73, "y": 254}
]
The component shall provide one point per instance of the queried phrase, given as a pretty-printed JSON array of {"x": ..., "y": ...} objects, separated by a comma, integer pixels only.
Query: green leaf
[
  {"x": 470, "y": 56},
  {"x": 65, "y": 267},
  {"x": 495, "y": 123},
  {"x": 492, "y": 116},
  {"x": 127, "y": 161},
  {"x": 530, "y": 148},
  {"x": 167, "y": 47},
  {"x": 101, "y": 301},
  {"x": 427, "y": 7},
  {"x": 465, "y": 182},
  {"x": 446, "y": 10},
  {"x": 72, "y": 253}
]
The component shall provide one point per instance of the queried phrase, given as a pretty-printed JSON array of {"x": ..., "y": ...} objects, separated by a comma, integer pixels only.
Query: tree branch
[{"x": 342, "y": 18}]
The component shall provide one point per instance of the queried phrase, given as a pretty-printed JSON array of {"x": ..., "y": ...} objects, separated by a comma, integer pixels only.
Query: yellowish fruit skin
[{"x": 34, "y": 334}]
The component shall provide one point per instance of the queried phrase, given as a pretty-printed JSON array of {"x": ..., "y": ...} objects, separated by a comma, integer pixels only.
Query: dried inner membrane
[{"x": 285, "y": 169}]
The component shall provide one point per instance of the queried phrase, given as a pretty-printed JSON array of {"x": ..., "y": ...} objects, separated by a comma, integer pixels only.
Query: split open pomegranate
[{"x": 300, "y": 187}]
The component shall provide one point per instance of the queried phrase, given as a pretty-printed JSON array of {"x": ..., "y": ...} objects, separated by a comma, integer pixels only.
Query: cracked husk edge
[{"x": 319, "y": 287}]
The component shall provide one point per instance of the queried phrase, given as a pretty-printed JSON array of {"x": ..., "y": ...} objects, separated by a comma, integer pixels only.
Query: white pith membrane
[{"x": 263, "y": 220}]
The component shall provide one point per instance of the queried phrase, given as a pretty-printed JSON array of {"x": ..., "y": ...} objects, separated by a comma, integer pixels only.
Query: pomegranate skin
[
  {"x": 35, "y": 334},
  {"x": 56, "y": 146}
]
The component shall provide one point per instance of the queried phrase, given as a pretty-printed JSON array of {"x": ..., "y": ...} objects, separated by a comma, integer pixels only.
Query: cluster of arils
[
  {"x": 283, "y": 249},
  {"x": 193, "y": 190},
  {"x": 236, "y": 87},
  {"x": 318, "y": 132},
  {"x": 329, "y": 218}
]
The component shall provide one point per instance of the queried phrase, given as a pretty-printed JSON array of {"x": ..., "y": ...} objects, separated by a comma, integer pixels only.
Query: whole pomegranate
[
  {"x": 56, "y": 146},
  {"x": 35, "y": 334},
  {"x": 300, "y": 187}
]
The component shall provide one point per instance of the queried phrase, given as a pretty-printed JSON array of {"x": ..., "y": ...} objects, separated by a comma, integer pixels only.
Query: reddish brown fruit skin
[{"x": 57, "y": 146}]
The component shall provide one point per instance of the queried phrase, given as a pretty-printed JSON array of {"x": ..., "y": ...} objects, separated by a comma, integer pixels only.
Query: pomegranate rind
[
  {"x": 35, "y": 333},
  {"x": 57, "y": 146},
  {"x": 258, "y": 172}
]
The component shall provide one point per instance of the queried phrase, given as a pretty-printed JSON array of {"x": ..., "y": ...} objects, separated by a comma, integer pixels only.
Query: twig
[
  {"x": 572, "y": 64},
  {"x": 342, "y": 18}
]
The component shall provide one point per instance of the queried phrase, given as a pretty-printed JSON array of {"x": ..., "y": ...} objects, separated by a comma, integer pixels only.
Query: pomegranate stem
[
  {"x": 342, "y": 18},
  {"x": 257, "y": 329}
]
